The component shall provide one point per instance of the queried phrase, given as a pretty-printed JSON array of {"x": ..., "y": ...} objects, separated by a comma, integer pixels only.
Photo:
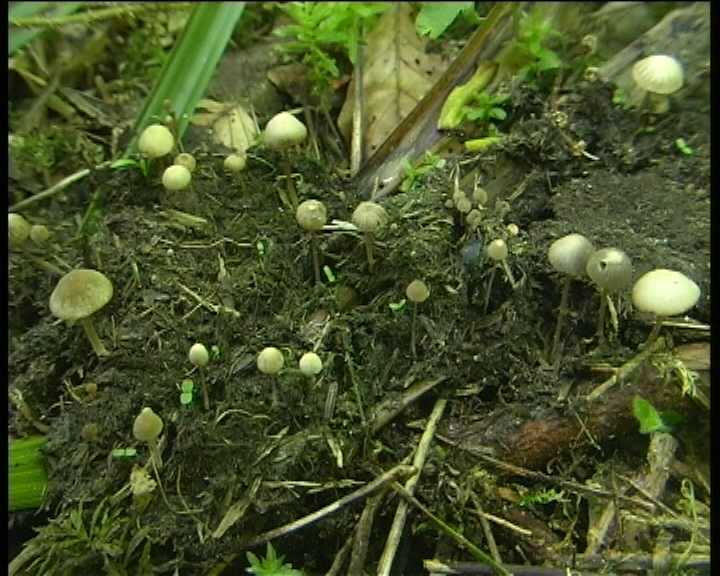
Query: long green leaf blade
[
  {"x": 27, "y": 479},
  {"x": 17, "y": 38},
  {"x": 192, "y": 62}
]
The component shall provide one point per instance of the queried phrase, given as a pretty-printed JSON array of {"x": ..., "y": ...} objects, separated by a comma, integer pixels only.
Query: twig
[
  {"x": 626, "y": 369},
  {"x": 398, "y": 472},
  {"x": 451, "y": 532},
  {"x": 362, "y": 534},
  {"x": 388, "y": 409},
  {"x": 340, "y": 557},
  {"x": 487, "y": 530},
  {"x": 92, "y": 16},
  {"x": 398, "y": 525}
]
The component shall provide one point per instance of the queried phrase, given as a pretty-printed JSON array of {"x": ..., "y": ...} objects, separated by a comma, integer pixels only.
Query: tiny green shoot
[
  {"x": 435, "y": 18},
  {"x": 123, "y": 453},
  {"x": 653, "y": 421},
  {"x": 397, "y": 306},
  {"x": 215, "y": 352},
  {"x": 271, "y": 565},
  {"x": 683, "y": 147},
  {"x": 186, "y": 396},
  {"x": 329, "y": 274}
]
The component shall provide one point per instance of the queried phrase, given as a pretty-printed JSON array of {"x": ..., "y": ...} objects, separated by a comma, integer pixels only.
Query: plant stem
[
  {"x": 509, "y": 274},
  {"x": 412, "y": 330},
  {"x": 97, "y": 15},
  {"x": 368, "y": 237},
  {"x": 315, "y": 257},
  {"x": 206, "y": 397},
  {"x": 562, "y": 312},
  {"x": 95, "y": 342},
  {"x": 601, "y": 319}
]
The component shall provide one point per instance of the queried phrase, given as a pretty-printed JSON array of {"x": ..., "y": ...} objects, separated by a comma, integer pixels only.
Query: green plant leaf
[
  {"x": 17, "y": 38},
  {"x": 648, "y": 417},
  {"x": 27, "y": 480},
  {"x": 186, "y": 398},
  {"x": 436, "y": 17},
  {"x": 192, "y": 62},
  {"x": 187, "y": 386}
]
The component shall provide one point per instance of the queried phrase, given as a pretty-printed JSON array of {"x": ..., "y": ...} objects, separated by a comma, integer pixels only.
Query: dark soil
[{"x": 249, "y": 267}]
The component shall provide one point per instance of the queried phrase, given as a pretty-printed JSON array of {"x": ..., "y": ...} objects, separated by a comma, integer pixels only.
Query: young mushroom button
[
  {"x": 369, "y": 217},
  {"x": 77, "y": 296},
  {"x": 284, "y": 130},
  {"x": 659, "y": 75},
  {"x": 610, "y": 269},
  {"x": 156, "y": 141}
]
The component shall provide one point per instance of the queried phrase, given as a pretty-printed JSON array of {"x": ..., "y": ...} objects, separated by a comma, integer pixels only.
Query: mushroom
[
  {"x": 311, "y": 215},
  {"x": 270, "y": 361},
  {"x": 417, "y": 292},
  {"x": 370, "y": 218},
  {"x": 610, "y": 269},
  {"x": 187, "y": 160},
  {"x": 310, "y": 364},
  {"x": 659, "y": 75},
  {"x": 235, "y": 163},
  {"x": 78, "y": 295},
  {"x": 147, "y": 428},
  {"x": 569, "y": 256},
  {"x": 199, "y": 357},
  {"x": 497, "y": 251},
  {"x": 156, "y": 141},
  {"x": 176, "y": 177},
  {"x": 664, "y": 293},
  {"x": 282, "y": 132},
  {"x": 19, "y": 230}
]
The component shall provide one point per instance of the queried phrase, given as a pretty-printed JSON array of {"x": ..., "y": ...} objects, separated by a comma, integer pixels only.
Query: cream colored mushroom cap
[
  {"x": 147, "y": 425},
  {"x": 80, "y": 293},
  {"x": 570, "y": 254},
  {"x": 270, "y": 360},
  {"x": 156, "y": 141},
  {"x": 369, "y": 217},
  {"x": 659, "y": 74},
  {"x": 284, "y": 129},
  {"x": 665, "y": 293},
  {"x": 176, "y": 177},
  {"x": 310, "y": 364},
  {"x": 417, "y": 291},
  {"x": 311, "y": 215}
]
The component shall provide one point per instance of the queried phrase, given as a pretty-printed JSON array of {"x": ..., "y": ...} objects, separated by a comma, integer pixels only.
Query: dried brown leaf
[
  {"x": 397, "y": 74},
  {"x": 231, "y": 125}
]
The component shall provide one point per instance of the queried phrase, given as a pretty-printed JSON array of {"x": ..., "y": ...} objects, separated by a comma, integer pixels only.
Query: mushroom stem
[
  {"x": 509, "y": 274},
  {"x": 488, "y": 290},
  {"x": 368, "y": 238},
  {"x": 412, "y": 330},
  {"x": 97, "y": 345},
  {"x": 155, "y": 454},
  {"x": 315, "y": 257},
  {"x": 562, "y": 312},
  {"x": 659, "y": 103},
  {"x": 206, "y": 397},
  {"x": 291, "y": 194},
  {"x": 601, "y": 318},
  {"x": 654, "y": 333}
]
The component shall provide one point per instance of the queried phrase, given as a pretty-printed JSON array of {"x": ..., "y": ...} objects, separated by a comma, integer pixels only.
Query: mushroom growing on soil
[
  {"x": 569, "y": 256},
  {"x": 77, "y": 296},
  {"x": 310, "y": 364},
  {"x": 659, "y": 75},
  {"x": 147, "y": 428},
  {"x": 664, "y": 293},
  {"x": 311, "y": 215},
  {"x": 370, "y": 218},
  {"x": 187, "y": 160},
  {"x": 235, "y": 163},
  {"x": 19, "y": 230},
  {"x": 610, "y": 269},
  {"x": 156, "y": 141},
  {"x": 199, "y": 357},
  {"x": 176, "y": 177},
  {"x": 270, "y": 361},
  {"x": 417, "y": 292},
  {"x": 282, "y": 132}
]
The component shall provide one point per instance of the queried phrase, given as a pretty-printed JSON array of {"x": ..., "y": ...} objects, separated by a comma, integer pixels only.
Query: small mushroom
[
  {"x": 370, "y": 218},
  {"x": 235, "y": 163},
  {"x": 282, "y": 132},
  {"x": 18, "y": 230},
  {"x": 659, "y": 75},
  {"x": 310, "y": 364},
  {"x": 610, "y": 269},
  {"x": 270, "y": 361},
  {"x": 176, "y": 177},
  {"x": 664, "y": 293},
  {"x": 200, "y": 357},
  {"x": 156, "y": 141},
  {"x": 78, "y": 295},
  {"x": 187, "y": 160},
  {"x": 569, "y": 256},
  {"x": 497, "y": 251},
  {"x": 417, "y": 292},
  {"x": 311, "y": 215},
  {"x": 147, "y": 428}
]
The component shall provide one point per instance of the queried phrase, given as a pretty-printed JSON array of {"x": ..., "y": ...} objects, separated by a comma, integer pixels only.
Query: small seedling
[
  {"x": 329, "y": 274},
  {"x": 123, "y": 453},
  {"x": 272, "y": 565},
  {"x": 397, "y": 306},
  {"x": 186, "y": 395},
  {"x": 653, "y": 421},
  {"x": 681, "y": 145}
]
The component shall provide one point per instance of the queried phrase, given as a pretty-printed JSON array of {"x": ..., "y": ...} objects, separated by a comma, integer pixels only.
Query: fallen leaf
[
  {"x": 231, "y": 125},
  {"x": 397, "y": 74}
]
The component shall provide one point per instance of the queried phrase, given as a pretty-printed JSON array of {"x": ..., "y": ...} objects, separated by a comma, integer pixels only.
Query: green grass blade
[
  {"x": 192, "y": 62},
  {"x": 19, "y": 38},
  {"x": 27, "y": 479}
]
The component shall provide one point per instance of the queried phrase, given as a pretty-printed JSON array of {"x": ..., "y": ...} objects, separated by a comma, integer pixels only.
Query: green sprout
[
  {"x": 653, "y": 421},
  {"x": 397, "y": 306},
  {"x": 186, "y": 395},
  {"x": 272, "y": 565},
  {"x": 329, "y": 274},
  {"x": 123, "y": 453},
  {"x": 681, "y": 145},
  {"x": 414, "y": 173}
]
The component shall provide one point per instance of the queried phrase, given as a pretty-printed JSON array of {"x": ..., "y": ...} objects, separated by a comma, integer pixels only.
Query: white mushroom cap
[
  {"x": 284, "y": 130},
  {"x": 417, "y": 291},
  {"x": 610, "y": 269},
  {"x": 659, "y": 74},
  {"x": 156, "y": 141},
  {"x": 311, "y": 215},
  {"x": 310, "y": 364},
  {"x": 497, "y": 250},
  {"x": 235, "y": 162},
  {"x": 665, "y": 293},
  {"x": 176, "y": 177},
  {"x": 147, "y": 425},
  {"x": 79, "y": 294},
  {"x": 270, "y": 360},
  {"x": 369, "y": 217},
  {"x": 198, "y": 355},
  {"x": 18, "y": 230},
  {"x": 569, "y": 254}
]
